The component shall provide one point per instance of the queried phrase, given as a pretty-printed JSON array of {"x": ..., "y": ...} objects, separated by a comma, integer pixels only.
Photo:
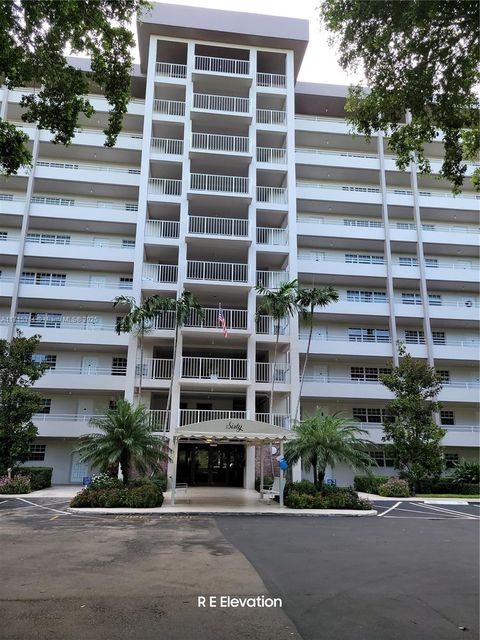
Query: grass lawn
[{"x": 447, "y": 495}]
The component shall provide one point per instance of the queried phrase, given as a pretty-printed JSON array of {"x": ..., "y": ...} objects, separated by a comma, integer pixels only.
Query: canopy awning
[{"x": 235, "y": 429}]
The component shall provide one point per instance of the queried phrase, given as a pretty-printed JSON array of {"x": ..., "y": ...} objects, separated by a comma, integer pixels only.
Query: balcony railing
[
  {"x": 228, "y": 66},
  {"x": 218, "y": 142},
  {"x": 156, "y": 369},
  {"x": 469, "y": 304},
  {"x": 170, "y": 70},
  {"x": 169, "y": 107},
  {"x": 217, "y": 271},
  {"x": 266, "y": 325},
  {"x": 272, "y": 279},
  {"x": 54, "y": 282},
  {"x": 203, "y": 225},
  {"x": 86, "y": 167},
  {"x": 159, "y": 420},
  {"x": 273, "y": 195},
  {"x": 165, "y": 273},
  {"x": 457, "y": 266},
  {"x": 218, "y": 184},
  {"x": 88, "y": 371},
  {"x": 215, "y": 368},
  {"x": 45, "y": 322},
  {"x": 55, "y": 201},
  {"x": 344, "y": 154},
  {"x": 317, "y": 335},
  {"x": 324, "y": 378},
  {"x": 167, "y": 146},
  {"x": 162, "y": 229},
  {"x": 234, "y": 319},
  {"x": 271, "y": 235},
  {"x": 281, "y": 420},
  {"x": 191, "y": 416},
  {"x": 67, "y": 241},
  {"x": 271, "y": 155},
  {"x": 279, "y": 370},
  {"x": 271, "y": 116},
  {"x": 342, "y": 222},
  {"x": 67, "y": 417},
  {"x": 313, "y": 184},
  {"x": 228, "y": 104},
  {"x": 164, "y": 186},
  {"x": 274, "y": 80}
]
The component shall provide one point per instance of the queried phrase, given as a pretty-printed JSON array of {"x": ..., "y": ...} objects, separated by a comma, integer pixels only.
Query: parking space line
[
  {"x": 65, "y": 513},
  {"x": 390, "y": 509},
  {"x": 3, "y": 501},
  {"x": 451, "y": 512}
]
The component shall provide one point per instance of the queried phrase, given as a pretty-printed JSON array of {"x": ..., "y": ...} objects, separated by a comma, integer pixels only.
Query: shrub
[
  {"x": 466, "y": 472},
  {"x": 395, "y": 488},
  {"x": 369, "y": 484},
  {"x": 20, "y": 484},
  {"x": 296, "y": 500},
  {"x": 267, "y": 481},
  {"x": 141, "y": 492},
  {"x": 144, "y": 496},
  {"x": 105, "y": 481},
  {"x": 40, "y": 477},
  {"x": 447, "y": 486},
  {"x": 329, "y": 497},
  {"x": 301, "y": 486},
  {"x": 160, "y": 481}
]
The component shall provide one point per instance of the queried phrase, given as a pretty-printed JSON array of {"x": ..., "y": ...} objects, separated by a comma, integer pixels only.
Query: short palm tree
[
  {"x": 280, "y": 304},
  {"x": 139, "y": 320},
  {"x": 125, "y": 438},
  {"x": 307, "y": 300},
  {"x": 323, "y": 440}
]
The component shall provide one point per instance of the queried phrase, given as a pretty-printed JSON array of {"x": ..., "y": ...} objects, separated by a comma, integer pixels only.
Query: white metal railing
[
  {"x": 271, "y": 235},
  {"x": 434, "y": 194},
  {"x": 88, "y": 371},
  {"x": 67, "y": 242},
  {"x": 159, "y": 420},
  {"x": 273, "y": 80},
  {"x": 438, "y": 228},
  {"x": 166, "y": 273},
  {"x": 272, "y": 279},
  {"x": 279, "y": 370},
  {"x": 304, "y": 116},
  {"x": 281, "y": 420},
  {"x": 213, "y": 102},
  {"x": 85, "y": 167},
  {"x": 169, "y": 107},
  {"x": 271, "y": 155},
  {"x": 271, "y": 116},
  {"x": 332, "y": 152},
  {"x": 203, "y": 225},
  {"x": 227, "y": 66},
  {"x": 266, "y": 325},
  {"x": 9, "y": 197},
  {"x": 440, "y": 265},
  {"x": 319, "y": 256},
  {"x": 223, "y": 184},
  {"x": 192, "y": 416},
  {"x": 156, "y": 369},
  {"x": 324, "y": 378},
  {"x": 219, "y": 142},
  {"x": 234, "y": 319},
  {"x": 86, "y": 324},
  {"x": 171, "y": 70},
  {"x": 322, "y": 337},
  {"x": 162, "y": 229},
  {"x": 164, "y": 186},
  {"x": 342, "y": 222},
  {"x": 214, "y": 368},
  {"x": 416, "y": 301},
  {"x": 472, "y": 342},
  {"x": 167, "y": 146},
  {"x": 274, "y": 195},
  {"x": 56, "y": 201},
  {"x": 217, "y": 271},
  {"x": 70, "y": 282},
  {"x": 67, "y": 417},
  {"x": 313, "y": 184}
]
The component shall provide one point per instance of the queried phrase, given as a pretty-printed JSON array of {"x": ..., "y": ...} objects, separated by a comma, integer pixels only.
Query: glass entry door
[{"x": 211, "y": 465}]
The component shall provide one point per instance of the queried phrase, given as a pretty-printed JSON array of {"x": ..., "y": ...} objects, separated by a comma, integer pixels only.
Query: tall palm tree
[
  {"x": 139, "y": 320},
  {"x": 280, "y": 304},
  {"x": 307, "y": 300},
  {"x": 323, "y": 440},
  {"x": 125, "y": 437}
]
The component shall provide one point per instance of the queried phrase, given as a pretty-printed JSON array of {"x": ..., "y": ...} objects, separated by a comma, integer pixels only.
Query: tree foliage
[
  {"x": 419, "y": 56},
  {"x": 34, "y": 38},
  {"x": 412, "y": 436},
  {"x": 18, "y": 402}
]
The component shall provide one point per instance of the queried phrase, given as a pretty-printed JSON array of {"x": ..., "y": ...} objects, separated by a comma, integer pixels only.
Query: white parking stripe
[
  {"x": 452, "y": 512},
  {"x": 3, "y": 501},
  {"x": 388, "y": 510},
  {"x": 65, "y": 513}
]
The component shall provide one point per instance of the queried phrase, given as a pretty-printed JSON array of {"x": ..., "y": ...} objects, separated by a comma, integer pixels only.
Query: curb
[{"x": 309, "y": 513}]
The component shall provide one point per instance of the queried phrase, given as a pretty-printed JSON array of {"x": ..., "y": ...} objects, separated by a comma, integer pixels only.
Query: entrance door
[
  {"x": 209, "y": 465},
  {"x": 79, "y": 469},
  {"x": 85, "y": 409},
  {"x": 89, "y": 365}
]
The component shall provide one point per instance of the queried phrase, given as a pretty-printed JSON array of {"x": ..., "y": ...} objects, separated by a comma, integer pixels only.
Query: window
[
  {"x": 112, "y": 405},
  {"x": 119, "y": 366},
  {"x": 65, "y": 202},
  {"x": 46, "y": 405},
  {"x": 366, "y": 296},
  {"x": 405, "y": 225},
  {"x": 447, "y": 418},
  {"x": 360, "y": 258},
  {"x": 37, "y": 452},
  {"x": 48, "y": 320},
  {"x": 434, "y": 300},
  {"x": 369, "y": 414},
  {"x": 444, "y": 375},
  {"x": 380, "y": 458},
  {"x": 351, "y": 222},
  {"x": 3, "y": 236},
  {"x": 431, "y": 262},
  {"x": 368, "y": 335},
  {"x": 405, "y": 261},
  {"x": 126, "y": 283},
  {"x": 128, "y": 244},
  {"x": 49, "y": 360},
  {"x": 48, "y": 238},
  {"x": 438, "y": 337},
  {"x": 414, "y": 337},
  {"x": 367, "y": 374},
  {"x": 411, "y": 298},
  {"x": 58, "y": 279},
  {"x": 28, "y": 277},
  {"x": 451, "y": 460},
  {"x": 53, "y": 279}
]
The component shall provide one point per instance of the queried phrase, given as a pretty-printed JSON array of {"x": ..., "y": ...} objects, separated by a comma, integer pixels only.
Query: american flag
[{"x": 221, "y": 320}]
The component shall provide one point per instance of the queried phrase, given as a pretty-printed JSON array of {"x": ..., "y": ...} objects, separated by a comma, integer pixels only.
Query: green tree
[
  {"x": 411, "y": 435},
  {"x": 307, "y": 301},
  {"x": 125, "y": 437},
  {"x": 35, "y": 36},
  {"x": 420, "y": 57},
  {"x": 18, "y": 402},
  {"x": 139, "y": 320},
  {"x": 280, "y": 304},
  {"x": 323, "y": 439}
]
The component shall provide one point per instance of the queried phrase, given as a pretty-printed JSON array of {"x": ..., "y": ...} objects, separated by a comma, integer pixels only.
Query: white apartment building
[{"x": 229, "y": 173}]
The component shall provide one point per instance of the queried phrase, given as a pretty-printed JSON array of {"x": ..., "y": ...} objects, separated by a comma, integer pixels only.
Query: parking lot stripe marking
[
  {"x": 54, "y": 518},
  {"x": 391, "y": 509},
  {"x": 3, "y": 501},
  {"x": 65, "y": 513},
  {"x": 451, "y": 512}
]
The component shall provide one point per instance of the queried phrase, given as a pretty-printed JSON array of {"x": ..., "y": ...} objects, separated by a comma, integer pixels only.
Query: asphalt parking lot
[{"x": 411, "y": 573}]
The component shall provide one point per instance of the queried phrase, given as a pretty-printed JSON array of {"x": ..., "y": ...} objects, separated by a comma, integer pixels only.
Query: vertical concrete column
[{"x": 249, "y": 466}]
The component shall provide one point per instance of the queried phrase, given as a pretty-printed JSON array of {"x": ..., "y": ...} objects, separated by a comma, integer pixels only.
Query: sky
[{"x": 319, "y": 63}]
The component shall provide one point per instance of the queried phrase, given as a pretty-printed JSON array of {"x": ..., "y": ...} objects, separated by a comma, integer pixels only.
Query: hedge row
[
  {"x": 447, "y": 486},
  {"x": 369, "y": 484},
  {"x": 40, "y": 477},
  {"x": 304, "y": 495},
  {"x": 138, "y": 493}
]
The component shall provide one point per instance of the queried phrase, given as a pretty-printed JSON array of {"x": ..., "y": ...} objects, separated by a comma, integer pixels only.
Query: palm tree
[
  {"x": 125, "y": 437},
  {"x": 307, "y": 300},
  {"x": 139, "y": 320},
  {"x": 328, "y": 440},
  {"x": 280, "y": 303}
]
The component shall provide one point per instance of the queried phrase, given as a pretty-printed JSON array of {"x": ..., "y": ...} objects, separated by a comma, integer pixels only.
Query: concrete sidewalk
[{"x": 375, "y": 498}]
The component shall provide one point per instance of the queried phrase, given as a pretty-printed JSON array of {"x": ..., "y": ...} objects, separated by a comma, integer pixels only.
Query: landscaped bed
[
  {"x": 305, "y": 495},
  {"x": 108, "y": 492},
  {"x": 26, "y": 479}
]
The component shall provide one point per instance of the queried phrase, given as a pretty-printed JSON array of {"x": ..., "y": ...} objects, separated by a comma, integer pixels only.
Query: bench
[{"x": 273, "y": 490}]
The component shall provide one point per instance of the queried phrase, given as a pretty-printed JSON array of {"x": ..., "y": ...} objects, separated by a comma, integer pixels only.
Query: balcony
[
  {"x": 267, "y": 326},
  {"x": 170, "y": 70},
  {"x": 159, "y": 420},
  {"x": 168, "y": 229},
  {"x": 159, "y": 273},
  {"x": 214, "y": 369},
  {"x": 271, "y": 155},
  {"x": 235, "y": 228},
  {"x": 164, "y": 187},
  {"x": 235, "y": 319},
  {"x": 272, "y": 279},
  {"x": 222, "y": 144},
  {"x": 313, "y": 190},
  {"x": 95, "y": 288},
  {"x": 192, "y": 416},
  {"x": 334, "y": 345},
  {"x": 222, "y": 66},
  {"x": 336, "y": 158},
  {"x": 45, "y": 246},
  {"x": 225, "y": 185},
  {"x": 61, "y": 425},
  {"x": 272, "y": 236},
  {"x": 231, "y": 272},
  {"x": 304, "y": 122},
  {"x": 82, "y": 172},
  {"x": 272, "y": 196},
  {"x": 439, "y": 270},
  {"x": 156, "y": 369},
  {"x": 77, "y": 331},
  {"x": 232, "y": 105},
  {"x": 12, "y": 204},
  {"x": 281, "y": 420},
  {"x": 266, "y": 371},
  {"x": 319, "y": 262},
  {"x": 274, "y": 117},
  {"x": 61, "y": 208},
  {"x": 348, "y": 227},
  {"x": 83, "y": 379},
  {"x": 166, "y": 146},
  {"x": 172, "y": 108},
  {"x": 272, "y": 80}
]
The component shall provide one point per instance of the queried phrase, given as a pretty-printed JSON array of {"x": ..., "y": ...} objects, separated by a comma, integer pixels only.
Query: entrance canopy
[{"x": 235, "y": 429}]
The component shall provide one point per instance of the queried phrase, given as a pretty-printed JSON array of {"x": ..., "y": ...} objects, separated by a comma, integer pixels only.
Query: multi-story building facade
[{"x": 229, "y": 173}]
